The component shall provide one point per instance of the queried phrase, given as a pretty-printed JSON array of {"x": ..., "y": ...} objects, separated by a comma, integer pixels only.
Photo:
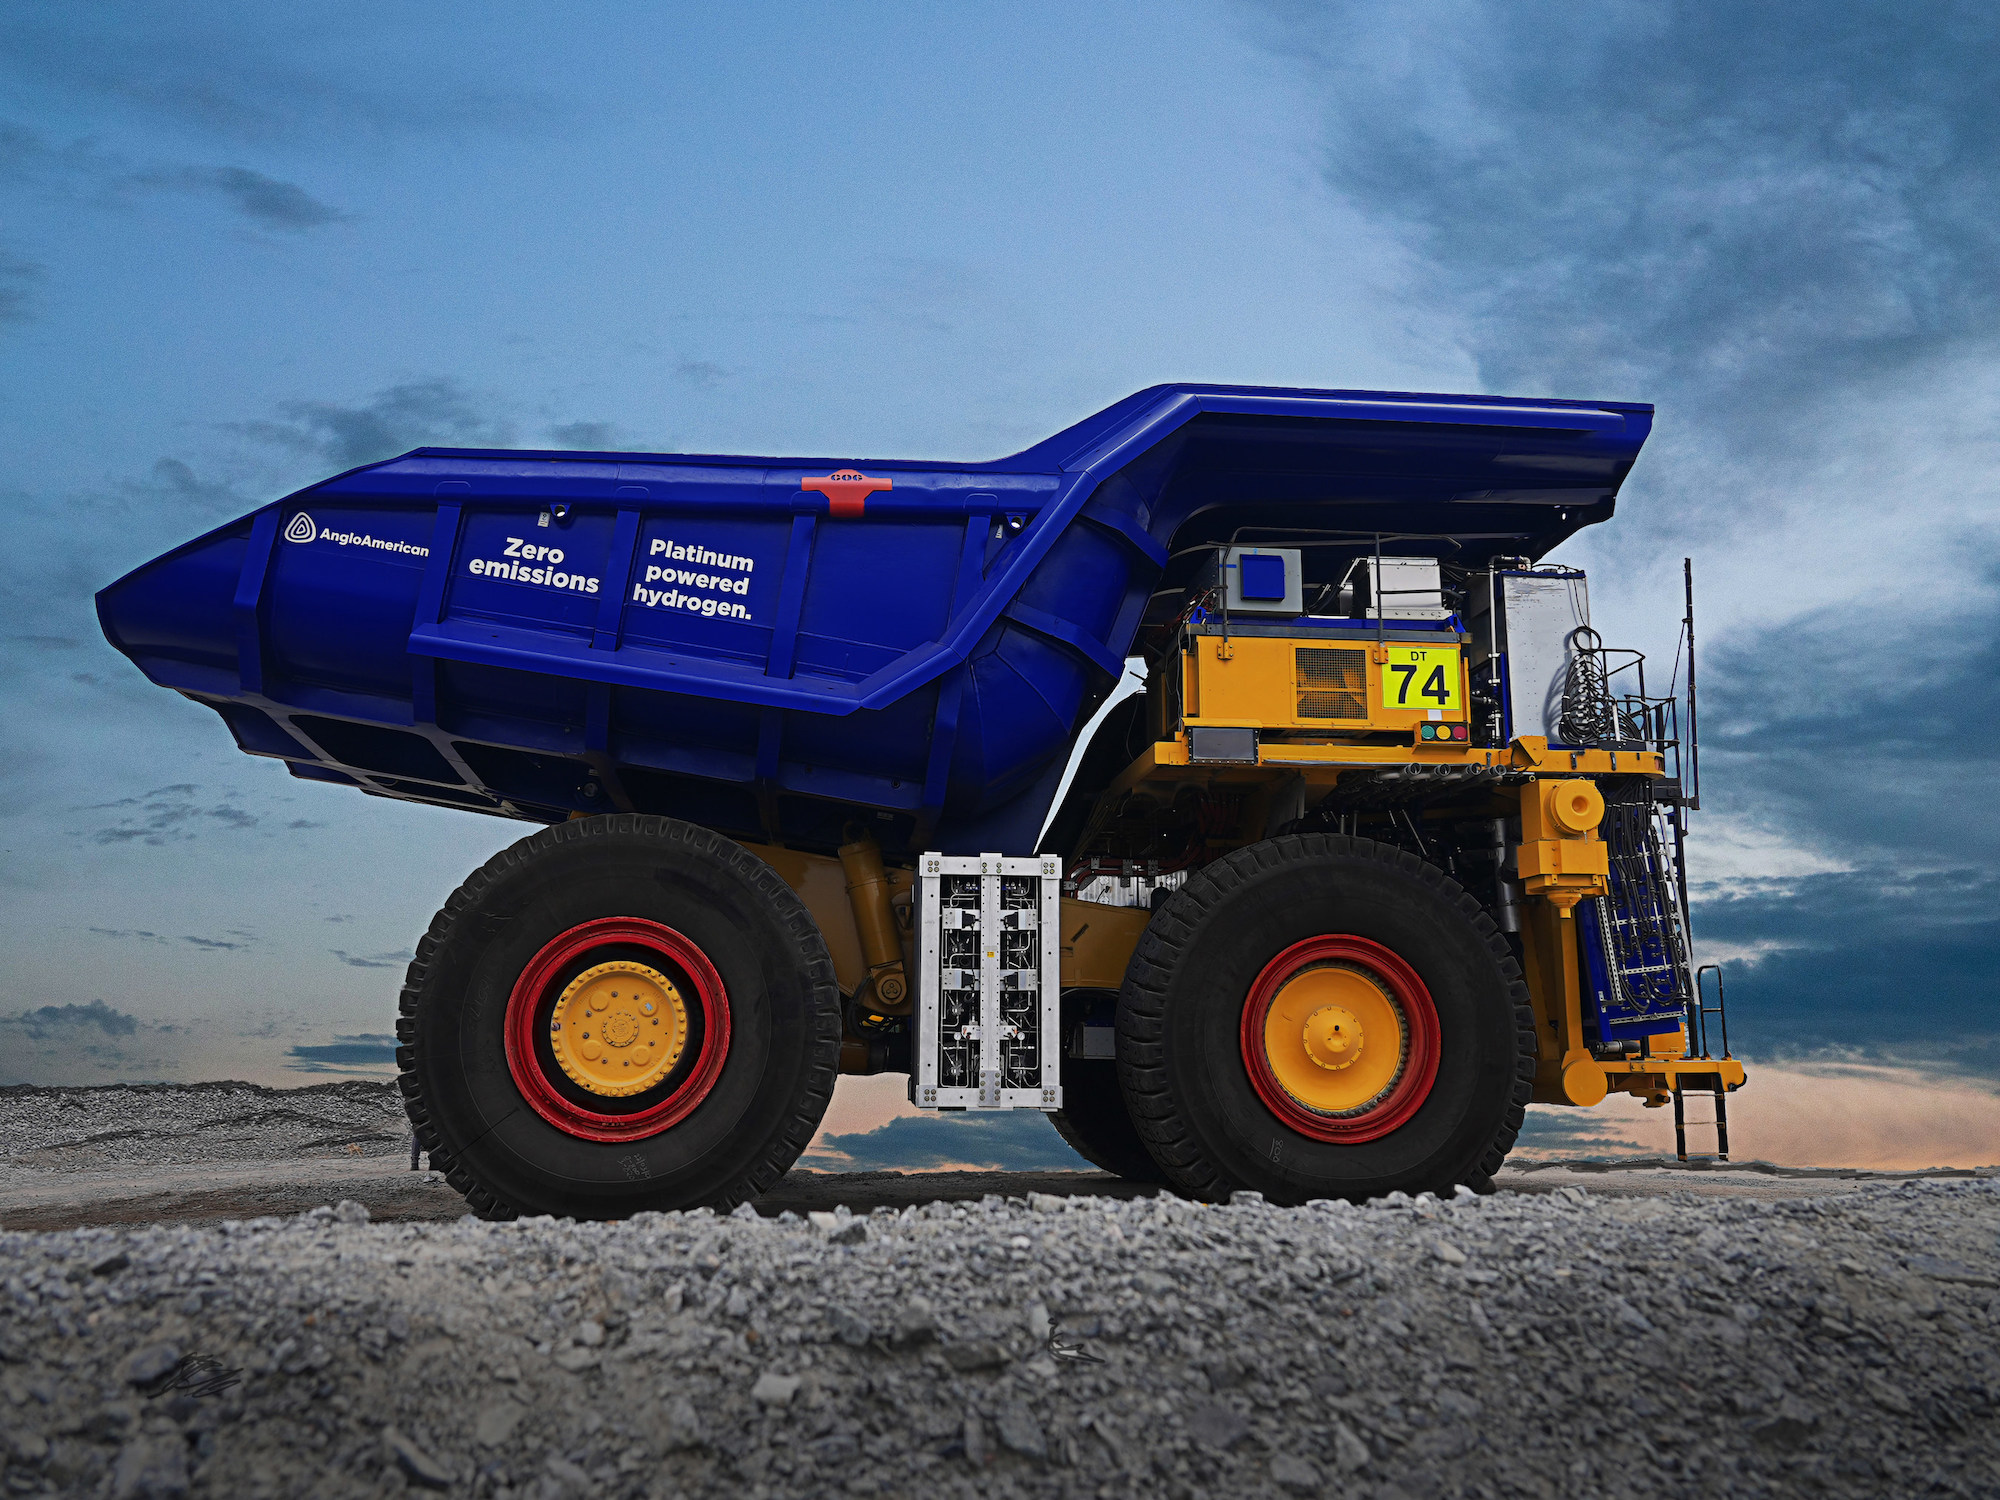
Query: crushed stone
[
  {"x": 1844, "y": 1344},
  {"x": 153, "y": 1124}
]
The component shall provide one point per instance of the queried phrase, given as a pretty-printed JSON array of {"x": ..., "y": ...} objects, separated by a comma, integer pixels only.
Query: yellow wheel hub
[
  {"x": 619, "y": 1028},
  {"x": 1334, "y": 1038}
]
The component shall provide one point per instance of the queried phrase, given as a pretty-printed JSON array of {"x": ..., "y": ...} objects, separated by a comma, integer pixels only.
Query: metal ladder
[{"x": 1699, "y": 1010}]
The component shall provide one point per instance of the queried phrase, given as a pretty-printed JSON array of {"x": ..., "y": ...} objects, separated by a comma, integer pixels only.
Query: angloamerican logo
[{"x": 301, "y": 528}]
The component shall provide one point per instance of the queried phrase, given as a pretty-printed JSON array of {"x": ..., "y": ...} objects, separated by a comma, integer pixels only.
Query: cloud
[
  {"x": 93, "y": 1043},
  {"x": 281, "y": 205},
  {"x": 83, "y": 166},
  {"x": 1828, "y": 1113},
  {"x": 216, "y": 945},
  {"x": 1908, "y": 711},
  {"x": 1014, "y": 1140},
  {"x": 1863, "y": 962},
  {"x": 1865, "y": 1115},
  {"x": 604, "y": 437},
  {"x": 344, "y": 1054},
  {"x": 27, "y": 156},
  {"x": 65, "y": 1020},
  {"x": 1780, "y": 223},
  {"x": 164, "y": 815},
  {"x": 100, "y": 1044},
  {"x": 590, "y": 437},
  {"x": 1862, "y": 745},
  {"x": 436, "y": 412},
  {"x": 47, "y": 599},
  {"x": 397, "y": 960},
  {"x": 266, "y": 201},
  {"x": 172, "y": 485},
  {"x": 1722, "y": 197},
  {"x": 701, "y": 373},
  {"x": 1553, "y": 1131}
]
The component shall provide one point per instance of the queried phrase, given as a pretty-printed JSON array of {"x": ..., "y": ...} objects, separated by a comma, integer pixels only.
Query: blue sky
[{"x": 242, "y": 247}]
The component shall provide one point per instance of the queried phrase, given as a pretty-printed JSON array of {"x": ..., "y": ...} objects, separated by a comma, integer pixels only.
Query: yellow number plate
[{"x": 1422, "y": 677}]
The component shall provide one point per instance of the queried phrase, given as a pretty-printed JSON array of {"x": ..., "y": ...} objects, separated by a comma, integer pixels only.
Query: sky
[{"x": 244, "y": 247}]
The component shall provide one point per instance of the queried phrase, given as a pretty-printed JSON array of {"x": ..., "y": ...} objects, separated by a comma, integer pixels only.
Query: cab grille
[{"x": 1333, "y": 684}]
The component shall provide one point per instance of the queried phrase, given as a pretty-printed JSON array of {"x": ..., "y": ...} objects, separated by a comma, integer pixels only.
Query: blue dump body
[{"x": 777, "y": 647}]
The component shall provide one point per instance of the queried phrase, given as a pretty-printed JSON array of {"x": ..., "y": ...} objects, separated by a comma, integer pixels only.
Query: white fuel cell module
[{"x": 988, "y": 983}]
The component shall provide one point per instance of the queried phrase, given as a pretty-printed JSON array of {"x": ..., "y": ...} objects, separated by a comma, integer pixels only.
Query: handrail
[{"x": 1699, "y": 1011}]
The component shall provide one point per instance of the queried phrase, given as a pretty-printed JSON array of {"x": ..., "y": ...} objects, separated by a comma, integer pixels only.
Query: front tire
[
  {"x": 702, "y": 1016},
  {"x": 1318, "y": 1017}
]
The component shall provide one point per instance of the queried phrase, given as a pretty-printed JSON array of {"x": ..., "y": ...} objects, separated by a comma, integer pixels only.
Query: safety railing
[{"x": 1699, "y": 1010}]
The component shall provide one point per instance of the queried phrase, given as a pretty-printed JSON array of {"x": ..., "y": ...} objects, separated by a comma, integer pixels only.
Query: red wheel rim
[
  {"x": 1419, "y": 1059},
  {"x": 534, "y": 986}
]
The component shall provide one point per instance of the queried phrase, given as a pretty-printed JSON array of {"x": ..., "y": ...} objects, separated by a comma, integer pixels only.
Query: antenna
[{"x": 1694, "y": 733}]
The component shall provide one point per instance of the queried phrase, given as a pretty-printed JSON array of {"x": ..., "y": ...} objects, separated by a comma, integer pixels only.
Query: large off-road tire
[
  {"x": 712, "y": 941},
  {"x": 1096, "y": 1124},
  {"x": 1250, "y": 981}
]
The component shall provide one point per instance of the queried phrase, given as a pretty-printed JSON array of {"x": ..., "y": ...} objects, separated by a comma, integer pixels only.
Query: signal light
[
  {"x": 1428, "y": 731},
  {"x": 1460, "y": 732}
]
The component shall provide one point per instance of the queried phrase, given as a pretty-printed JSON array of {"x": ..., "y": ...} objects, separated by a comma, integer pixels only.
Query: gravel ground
[
  {"x": 208, "y": 1153},
  {"x": 1531, "y": 1345},
  {"x": 149, "y": 1124}
]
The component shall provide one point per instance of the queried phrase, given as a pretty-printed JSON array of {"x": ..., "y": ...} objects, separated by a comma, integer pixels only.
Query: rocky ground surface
[
  {"x": 148, "y": 1124},
  {"x": 208, "y": 1153},
  {"x": 1519, "y": 1345}
]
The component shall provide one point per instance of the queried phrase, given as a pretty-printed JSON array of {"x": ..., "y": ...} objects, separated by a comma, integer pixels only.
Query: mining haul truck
[{"x": 835, "y": 776}]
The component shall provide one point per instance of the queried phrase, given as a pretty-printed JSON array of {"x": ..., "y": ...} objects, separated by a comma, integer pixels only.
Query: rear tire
[
  {"x": 1095, "y": 1123},
  {"x": 518, "y": 1134},
  {"x": 1217, "y": 1119}
]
